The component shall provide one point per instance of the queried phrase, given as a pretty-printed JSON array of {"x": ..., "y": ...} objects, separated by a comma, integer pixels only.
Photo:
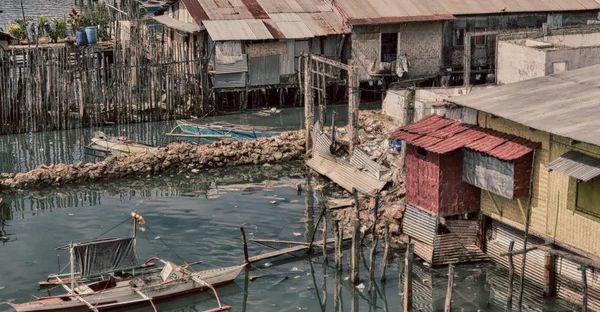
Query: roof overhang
[
  {"x": 248, "y": 29},
  {"x": 178, "y": 25},
  {"x": 577, "y": 165},
  {"x": 400, "y": 19}
]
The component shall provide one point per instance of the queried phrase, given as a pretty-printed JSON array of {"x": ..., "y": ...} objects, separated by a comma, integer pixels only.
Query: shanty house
[
  {"x": 500, "y": 16},
  {"x": 395, "y": 39},
  {"x": 561, "y": 112},
  {"x": 448, "y": 165},
  {"x": 255, "y": 44}
]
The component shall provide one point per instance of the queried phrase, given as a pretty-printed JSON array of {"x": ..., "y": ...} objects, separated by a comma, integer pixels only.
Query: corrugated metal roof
[
  {"x": 363, "y": 12},
  {"x": 177, "y": 24},
  {"x": 564, "y": 104},
  {"x": 291, "y": 26},
  {"x": 577, "y": 165},
  {"x": 467, "y": 7},
  {"x": 237, "y": 30},
  {"x": 440, "y": 135}
]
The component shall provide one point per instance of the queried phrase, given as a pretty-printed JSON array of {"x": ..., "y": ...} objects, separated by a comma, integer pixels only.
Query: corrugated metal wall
[
  {"x": 569, "y": 284},
  {"x": 455, "y": 196},
  {"x": 422, "y": 227},
  {"x": 422, "y": 179},
  {"x": 459, "y": 245},
  {"x": 231, "y": 65},
  {"x": 499, "y": 236},
  {"x": 287, "y": 59},
  {"x": 263, "y": 70},
  {"x": 230, "y": 80}
]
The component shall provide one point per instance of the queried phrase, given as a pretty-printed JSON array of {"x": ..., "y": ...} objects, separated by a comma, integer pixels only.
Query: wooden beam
[
  {"x": 518, "y": 252},
  {"x": 331, "y": 62},
  {"x": 494, "y": 202},
  {"x": 569, "y": 256},
  {"x": 522, "y": 211}
]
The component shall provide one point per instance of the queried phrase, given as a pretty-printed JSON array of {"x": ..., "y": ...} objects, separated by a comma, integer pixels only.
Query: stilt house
[
  {"x": 561, "y": 112},
  {"x": 254, "y": 45},
  {"x": 449, "y": 165}
]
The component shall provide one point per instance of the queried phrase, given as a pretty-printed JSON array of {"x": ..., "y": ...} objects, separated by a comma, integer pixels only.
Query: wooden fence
[{"x": 121, "y": 81}]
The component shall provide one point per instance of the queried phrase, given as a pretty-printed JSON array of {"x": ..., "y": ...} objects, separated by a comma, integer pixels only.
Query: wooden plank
[
  {"x": 282, "y": 252},
  {"x": 521, "y": 208},
  {"x": 494, "y": 202}
]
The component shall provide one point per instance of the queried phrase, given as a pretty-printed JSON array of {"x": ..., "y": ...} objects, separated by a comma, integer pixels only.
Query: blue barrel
[
  {"x": 91, "y": 34},
  {"x": 80, "y": 37}
]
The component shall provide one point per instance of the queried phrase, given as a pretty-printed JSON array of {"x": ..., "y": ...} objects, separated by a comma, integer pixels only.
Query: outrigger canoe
[
  {"x": 116, "y": 145},
  {"x": 112, "y": 259}
]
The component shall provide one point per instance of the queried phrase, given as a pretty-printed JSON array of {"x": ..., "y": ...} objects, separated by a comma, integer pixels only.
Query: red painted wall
[
  {"x": 522, "y": 175},
  {"x": 422, "y": 179},
  {"x": 434, "y": 183},
  {"x": 456, "y": 196}
]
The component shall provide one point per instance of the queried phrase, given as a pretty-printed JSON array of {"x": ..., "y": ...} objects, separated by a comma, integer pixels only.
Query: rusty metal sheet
[
  {"x": 226, "y": 30},
  {"x": 569, "y": 284},
  {"x": 177, "y": 24},
  {"x": 458, "y": 246},
  {"x": 428, "y": 124},
  {"x": 345, "y": 175},
  {"x": 385, "y": 12}
]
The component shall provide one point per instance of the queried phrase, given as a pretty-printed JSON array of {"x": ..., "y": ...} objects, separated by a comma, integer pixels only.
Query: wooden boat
[
  {"x": 208, "y": 133},
  {"x": 101, "y": 142},
  {"x": 111, "y": 259}
]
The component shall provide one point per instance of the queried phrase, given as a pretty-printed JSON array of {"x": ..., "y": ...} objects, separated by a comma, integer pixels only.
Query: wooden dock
[{"x": 301, "y": 246}]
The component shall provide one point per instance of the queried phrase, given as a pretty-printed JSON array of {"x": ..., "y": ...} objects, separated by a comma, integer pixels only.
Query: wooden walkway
[{"x": 301, "y": 247}]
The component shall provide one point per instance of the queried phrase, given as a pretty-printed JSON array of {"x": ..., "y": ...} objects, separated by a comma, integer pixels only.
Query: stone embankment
[{"x": 174, "y": 157}]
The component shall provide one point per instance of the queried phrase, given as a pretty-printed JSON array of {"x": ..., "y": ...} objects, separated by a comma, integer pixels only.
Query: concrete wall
[
  {"x": 554, "y": 194},
  {"x": 575, "y": 40},
  {"x": 394, "y": 104},
  {"x": 575, "y": 58},
  {"x": 421, "y": 42},
  {"x": 517, "y": 62}
]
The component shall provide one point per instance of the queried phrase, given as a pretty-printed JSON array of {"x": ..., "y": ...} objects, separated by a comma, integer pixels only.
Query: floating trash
[
  {"x": 360, "y": 286},
  {"x": 297, "y": 234}
]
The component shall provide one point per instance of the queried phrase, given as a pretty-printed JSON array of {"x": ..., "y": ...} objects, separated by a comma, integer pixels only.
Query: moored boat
[
  {"x": 112, "y": 259},
  {"x": 208, "y": 133}
]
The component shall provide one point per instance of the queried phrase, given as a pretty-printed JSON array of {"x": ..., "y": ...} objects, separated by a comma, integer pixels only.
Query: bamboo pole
[
  {"x": 338, "y": 246},
  {"x": 584, "y": 288},
  {"x": 386, "y": 251},
  {"x": 373, "y": 247},
  {"x": 355, "y": 241},
  {"x": 244, "y": 244},
  {"x": 308, "y": 100},
  {"x": 324, "y": 239}
]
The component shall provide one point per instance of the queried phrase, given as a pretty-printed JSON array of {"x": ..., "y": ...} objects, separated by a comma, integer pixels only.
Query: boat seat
[{"x": 83, "y": 289}]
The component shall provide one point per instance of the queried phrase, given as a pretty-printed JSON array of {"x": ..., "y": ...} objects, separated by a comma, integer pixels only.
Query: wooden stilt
[
  {"x": 408, "y": 263},
  {"x": 584, "y": 288},
  {"x": 355, "y": 242},
  {"x": 523, "y": 260},
  {"x": 386, "y": 251},
  {"x": 549, "y": 275},
  {"x": 373, "y": 247},
  {"x": 448, "y": 303},
  {"x": 244, "y": 244},
  {"x": 324, "y": 239},
  {"x": 338, "y": 246},
  {"x": 511, "y": 275}
]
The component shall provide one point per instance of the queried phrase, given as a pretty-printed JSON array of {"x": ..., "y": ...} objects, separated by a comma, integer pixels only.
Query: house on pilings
[
  {"x": 251, "y": 49},
  {"x": 449, "y": 164},
  {"x": 560, "y": 112}
]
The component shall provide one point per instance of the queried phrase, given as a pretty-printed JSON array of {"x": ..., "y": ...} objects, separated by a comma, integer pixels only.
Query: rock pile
[{"x": 174, "y": 157}]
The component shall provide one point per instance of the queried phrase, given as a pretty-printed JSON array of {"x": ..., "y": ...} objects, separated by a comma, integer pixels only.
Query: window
[
  {"x": 459, "y": 36},
  {"x": 479, "y": 40},
  {"x": 421, "y": 152},
  {"x": 588, "y": 196},
  {"x": 389, "y": 47}
]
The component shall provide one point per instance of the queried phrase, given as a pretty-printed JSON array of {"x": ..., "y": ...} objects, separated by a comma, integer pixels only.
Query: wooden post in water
[
  {"x": 244, "y": 244},
  {"x": 523, "y": 260},
  {"x": 584, "y": 288},
  {"x": 355, "y": 241},
  {"x": 324, "y": 237},
  {"x": 353, "y": 102},
  {"x": 386, "y": 251},
  {"x": 332, "y": 147},
  {"x": 549, "y": 275},
  {"x": 374, "y": 246},
  {"x": 408, "y": 263},
  {"x": 511, "y": 276},
  {"x": 338, "y": 245},
  {"x": 448, "y": 303}
]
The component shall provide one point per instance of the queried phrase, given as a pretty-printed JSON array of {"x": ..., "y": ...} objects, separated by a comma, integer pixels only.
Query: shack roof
[
  {"x": 565, "y": 104},
  {"x": 289, "y": 19},
  {"x": 364, "y": 12},
  {"x": 441, "y": 135}
]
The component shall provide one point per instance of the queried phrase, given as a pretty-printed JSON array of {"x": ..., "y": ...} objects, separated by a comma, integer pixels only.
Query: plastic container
[
  {"x": 80, "y": 37},
  {"x": 91, "y": 34}
]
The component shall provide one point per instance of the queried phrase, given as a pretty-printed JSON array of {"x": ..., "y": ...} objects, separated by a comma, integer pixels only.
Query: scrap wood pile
[{"x": 373, "y": 168}]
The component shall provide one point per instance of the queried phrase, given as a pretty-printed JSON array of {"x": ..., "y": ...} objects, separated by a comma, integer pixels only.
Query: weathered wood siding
[
  {"x": 455, "y": 196},
  {"x": 554, "y": 194},
  {"x": 423, "y": 179}
]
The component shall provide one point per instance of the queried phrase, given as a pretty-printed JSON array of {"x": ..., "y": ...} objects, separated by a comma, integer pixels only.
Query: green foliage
[
  {"x": 60, "y": 28},
  {"x": 41, "y": 22},
  {"x": 16, "y": 31}
]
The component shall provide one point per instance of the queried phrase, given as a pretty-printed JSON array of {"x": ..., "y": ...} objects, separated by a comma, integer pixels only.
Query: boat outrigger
[
  {"x": 103, "y": 145},
  {"x": 110, "y": 277},
  {"x": 208, "y": 133}
]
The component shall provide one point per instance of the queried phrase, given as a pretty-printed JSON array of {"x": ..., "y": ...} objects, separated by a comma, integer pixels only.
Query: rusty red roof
[{"x": 441, "y": 135}]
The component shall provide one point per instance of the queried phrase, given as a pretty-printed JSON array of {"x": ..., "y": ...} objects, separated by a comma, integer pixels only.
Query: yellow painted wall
[{"x": 554, "y": 194}]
